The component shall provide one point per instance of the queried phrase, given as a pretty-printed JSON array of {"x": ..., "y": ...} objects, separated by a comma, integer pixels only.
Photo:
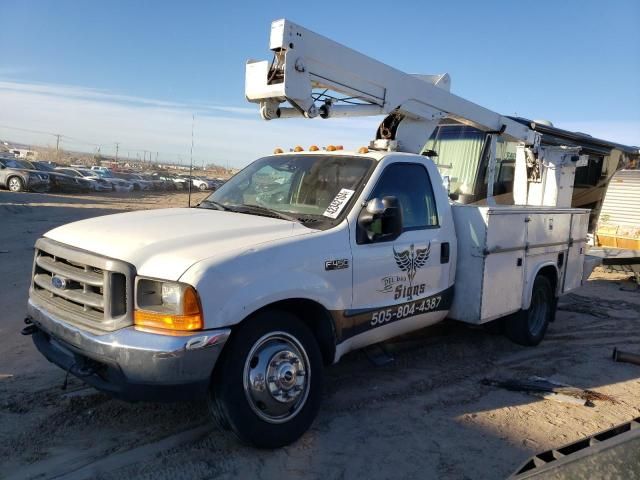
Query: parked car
[
  {"x": 171, "y": 182},
  {"x": 18, "y": 177},
  {"x": 201, "y": 183},
  {"x": 96, "y": 183},
  {"x": 117, "y": 184},
  {"x": 60, "y": 181},
  {"x": 180, "y": 182},
  {"x": 138, "y": 182}
]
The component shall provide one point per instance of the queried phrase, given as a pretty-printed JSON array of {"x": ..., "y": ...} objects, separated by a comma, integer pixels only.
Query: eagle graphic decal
[{"x": 411, "y": 260}]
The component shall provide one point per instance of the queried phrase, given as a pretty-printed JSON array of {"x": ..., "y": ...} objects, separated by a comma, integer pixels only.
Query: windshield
[{"x": 296, "y": 185}]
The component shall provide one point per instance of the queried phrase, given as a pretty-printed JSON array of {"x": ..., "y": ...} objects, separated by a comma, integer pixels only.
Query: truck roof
[{"x": 376, "y": 155}]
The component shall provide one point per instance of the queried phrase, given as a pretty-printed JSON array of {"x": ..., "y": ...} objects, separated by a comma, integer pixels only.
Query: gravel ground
[{"x": 425, "y": 415}]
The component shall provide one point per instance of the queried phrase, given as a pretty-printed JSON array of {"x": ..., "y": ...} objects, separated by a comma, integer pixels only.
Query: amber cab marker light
[
  {"x": 313, "y": 148},
  {"x": 363, "y": 150},
  {"x": 189, "y": 319},
  {"x": 298, "y": 149},
  {"x": 277, "y": 151},
  {"x": 339, "y": 147},
  {"x": 331, "y": 148}
]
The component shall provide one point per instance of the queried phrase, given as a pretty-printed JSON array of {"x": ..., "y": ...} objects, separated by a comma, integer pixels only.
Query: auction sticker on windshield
[{"x": 338, "y": 203}]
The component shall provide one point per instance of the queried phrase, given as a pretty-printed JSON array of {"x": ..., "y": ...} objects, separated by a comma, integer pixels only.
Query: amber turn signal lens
[
  {"x": 189, "y": 319},
  {"x": 164, "y": 321}
]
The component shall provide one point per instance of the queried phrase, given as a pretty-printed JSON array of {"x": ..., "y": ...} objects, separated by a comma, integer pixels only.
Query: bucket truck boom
[{"x": 306, "y": 66}]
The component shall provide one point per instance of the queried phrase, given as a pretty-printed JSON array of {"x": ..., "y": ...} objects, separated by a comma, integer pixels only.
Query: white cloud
[
  {"x": 223, "y": 134},
  {"x": 233, "y": 135}
]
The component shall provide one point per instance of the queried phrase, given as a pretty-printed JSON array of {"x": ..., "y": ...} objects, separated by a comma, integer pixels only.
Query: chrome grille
[{"x": 82, "y": 288}]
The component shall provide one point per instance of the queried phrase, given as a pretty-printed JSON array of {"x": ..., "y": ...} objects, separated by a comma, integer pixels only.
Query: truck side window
[{"x": 411, "y": 185}]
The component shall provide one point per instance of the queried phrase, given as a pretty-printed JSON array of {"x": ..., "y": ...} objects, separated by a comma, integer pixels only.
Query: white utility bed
[{"x": 502, "y": 248}]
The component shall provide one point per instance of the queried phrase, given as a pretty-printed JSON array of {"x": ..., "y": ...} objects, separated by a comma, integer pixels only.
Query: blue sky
[{"x": 132, "y": 72}]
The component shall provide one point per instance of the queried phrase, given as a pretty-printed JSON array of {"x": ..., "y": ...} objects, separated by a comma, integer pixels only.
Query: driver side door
[{"x": 400, "y": 284}]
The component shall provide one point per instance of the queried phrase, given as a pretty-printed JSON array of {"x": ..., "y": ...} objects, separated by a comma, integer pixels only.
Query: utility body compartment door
[{"x": 503, "y": 277}]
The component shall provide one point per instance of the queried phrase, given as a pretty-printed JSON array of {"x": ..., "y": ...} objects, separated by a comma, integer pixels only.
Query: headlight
[{"x": 167, "y": 305}]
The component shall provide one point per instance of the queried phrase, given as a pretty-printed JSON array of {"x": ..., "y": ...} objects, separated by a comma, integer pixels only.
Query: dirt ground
[{"x": 425, "y": 415}]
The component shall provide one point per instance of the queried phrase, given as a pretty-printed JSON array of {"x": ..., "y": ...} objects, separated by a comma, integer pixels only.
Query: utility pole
[
  {"x": 117, "y": 147},
  {"x": 57, "y": 147},
  {"x": 193, "y": 121}
]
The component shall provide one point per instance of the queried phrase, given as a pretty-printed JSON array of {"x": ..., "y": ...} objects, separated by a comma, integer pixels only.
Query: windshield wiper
[
  {"x": 218, "y": 205},
  {"x": 261, "y": 209}
]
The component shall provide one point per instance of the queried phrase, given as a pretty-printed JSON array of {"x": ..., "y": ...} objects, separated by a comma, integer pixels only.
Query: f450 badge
[{"x": 338, "y": 264}]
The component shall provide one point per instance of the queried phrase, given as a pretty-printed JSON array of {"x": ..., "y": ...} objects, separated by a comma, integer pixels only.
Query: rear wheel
[
  {"x": 528, "y": 327},
  {"x": 267, "y": 387},
  {"x": 15, "y": 184},
  {"x": 202, "y": 187}
]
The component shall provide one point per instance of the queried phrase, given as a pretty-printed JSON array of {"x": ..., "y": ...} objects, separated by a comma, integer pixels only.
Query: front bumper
[{"x": 130, "y": 364}]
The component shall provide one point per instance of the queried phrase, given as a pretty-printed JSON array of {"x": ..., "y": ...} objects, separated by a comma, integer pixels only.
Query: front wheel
[
  {"x": 268, "y": 384},
  {"x": 528, "y": 327},
  {"x": 16, "y": 184}
]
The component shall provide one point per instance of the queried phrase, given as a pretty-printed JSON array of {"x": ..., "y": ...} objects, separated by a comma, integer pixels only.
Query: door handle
[{"x": 444, "y": 252}]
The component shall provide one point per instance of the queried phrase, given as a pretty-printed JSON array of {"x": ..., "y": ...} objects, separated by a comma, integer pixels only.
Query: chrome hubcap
[
  {"x": 276, "y": 377},
  {"x": 14, "y": 184}
]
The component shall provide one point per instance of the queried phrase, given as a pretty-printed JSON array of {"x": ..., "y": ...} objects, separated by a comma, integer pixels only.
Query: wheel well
[
  {"x": 552, "y": 275},
  {"x": 316, "y": 317}
]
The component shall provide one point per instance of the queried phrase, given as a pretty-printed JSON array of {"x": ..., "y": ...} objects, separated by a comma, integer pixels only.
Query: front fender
[{"x": 292, "y": 268}]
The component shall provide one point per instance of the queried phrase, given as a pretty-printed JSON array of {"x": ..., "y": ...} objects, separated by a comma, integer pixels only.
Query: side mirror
[{"x": 380, "y": 220}]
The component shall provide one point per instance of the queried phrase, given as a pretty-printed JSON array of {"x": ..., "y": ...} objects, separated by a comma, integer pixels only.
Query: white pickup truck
[{"x": 295, "y": 261}]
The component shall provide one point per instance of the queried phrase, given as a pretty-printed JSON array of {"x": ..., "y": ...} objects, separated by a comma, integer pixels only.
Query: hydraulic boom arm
[{"x": 305, "y": 62}]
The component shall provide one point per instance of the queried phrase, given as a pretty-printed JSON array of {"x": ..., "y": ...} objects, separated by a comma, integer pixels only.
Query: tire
[
  {"x": 15, "y": 184},
  {"x": 274, "y": 413},
  {"x": 528, "y": 327},
  {"x": 202, "y": 187}
]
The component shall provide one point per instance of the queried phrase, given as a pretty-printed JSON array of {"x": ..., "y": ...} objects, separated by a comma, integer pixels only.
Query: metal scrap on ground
[{"x": 558, "y": 391}]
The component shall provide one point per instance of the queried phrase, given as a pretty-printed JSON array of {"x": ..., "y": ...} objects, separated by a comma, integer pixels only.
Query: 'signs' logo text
[{"x": 410, "y": 261}]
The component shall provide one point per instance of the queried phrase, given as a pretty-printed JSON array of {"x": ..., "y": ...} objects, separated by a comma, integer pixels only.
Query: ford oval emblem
[{"x": 59, "y": 282}]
